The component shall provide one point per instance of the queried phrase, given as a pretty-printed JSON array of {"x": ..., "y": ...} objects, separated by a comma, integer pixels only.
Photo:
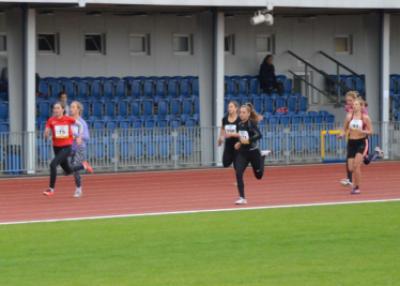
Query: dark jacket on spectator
[{"x": 267, "y": 76}]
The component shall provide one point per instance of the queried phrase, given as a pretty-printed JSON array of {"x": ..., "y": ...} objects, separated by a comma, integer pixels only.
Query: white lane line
[{"x": 200, "y": 211}]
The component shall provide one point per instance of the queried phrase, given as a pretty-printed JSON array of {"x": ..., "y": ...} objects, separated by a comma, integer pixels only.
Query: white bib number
[
  {"x": 244, "y": 135},
  {"x": 356, "y": 124},
  {"x": 230, "y": 129},
  {"x": 61, "y": 131}
]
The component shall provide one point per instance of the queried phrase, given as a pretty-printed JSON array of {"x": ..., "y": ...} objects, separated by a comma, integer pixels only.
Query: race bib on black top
[
  {"x": 230, "y": 128},
  {"x": 244, "y": 135}
]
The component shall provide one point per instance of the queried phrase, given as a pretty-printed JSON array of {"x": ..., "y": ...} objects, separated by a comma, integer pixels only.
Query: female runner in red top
[{"x": 60, "y": 127}]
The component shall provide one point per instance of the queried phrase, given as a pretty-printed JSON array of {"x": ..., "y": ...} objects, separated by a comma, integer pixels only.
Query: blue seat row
[
  {"x": 271, "y": 103},
  {"x": 147, "y": 107},
  {"x": 351, "y": 82},
  {"x": 116, "y": 88},
  {"x": 251, "y": 85}
]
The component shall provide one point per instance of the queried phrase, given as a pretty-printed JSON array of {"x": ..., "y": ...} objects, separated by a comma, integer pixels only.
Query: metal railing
[{"x": 184, "y": 147}]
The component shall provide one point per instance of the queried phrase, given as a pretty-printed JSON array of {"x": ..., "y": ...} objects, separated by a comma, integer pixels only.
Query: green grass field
[{"x": 330, "y": 245}]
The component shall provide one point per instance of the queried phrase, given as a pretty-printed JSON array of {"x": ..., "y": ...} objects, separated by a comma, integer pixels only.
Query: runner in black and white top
[
  {"x": 248, "y": 151},
  {"x": 228, "y": 134}
]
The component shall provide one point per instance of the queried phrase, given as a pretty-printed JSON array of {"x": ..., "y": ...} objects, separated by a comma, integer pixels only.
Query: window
[
  {"x": 3, "y": 43},
  {"x": 182, "y": 44},
  {"x": 265, "y": 44},
  {"x": 48, "y": 43},
  {"x": 230, "y": 44},
  {"x": 95, "y": 44},
  {"x": 139, "y": 44},
  {"x": 344, "y": 45}
]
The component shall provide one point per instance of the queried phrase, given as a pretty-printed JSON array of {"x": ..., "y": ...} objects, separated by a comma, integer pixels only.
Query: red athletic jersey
[{"x": 61, "y": 130}]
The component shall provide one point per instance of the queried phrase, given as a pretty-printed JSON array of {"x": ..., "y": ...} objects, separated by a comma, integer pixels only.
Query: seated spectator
[
  {"x": 267, "y": 77},
  {"x": 63, "y": 98}
]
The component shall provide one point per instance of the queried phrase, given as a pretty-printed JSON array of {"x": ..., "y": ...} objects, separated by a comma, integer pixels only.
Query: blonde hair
[
  {"x": 254, "y": 116},
  {"x": 79, "y": 105},
  {"x": 353, "y": 94}
]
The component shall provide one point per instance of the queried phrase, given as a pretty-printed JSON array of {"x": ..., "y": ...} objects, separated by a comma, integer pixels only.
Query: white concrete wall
[
  {"x": 395, "y": 44},
  {"x": 118, "y": 61}
]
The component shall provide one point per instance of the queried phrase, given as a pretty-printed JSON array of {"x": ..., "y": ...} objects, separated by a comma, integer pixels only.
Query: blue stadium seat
[
  {"x": 163, "y": 107},
  {"x": 187, "y": 106},
  {"x": 150, "y": 123},
  {"x": 242, "y": 85},
  {"x": 175, "y": 106},
  {"x": 120, "y": 89},
  {"x": 287, "y": 85},
  {"x": 147, "y": 107},
  {"x": 98, "y": 124},
  {"x": 135, "y": 109},
  {"x": 136, "y": 88},
  {"x": 4, "y": 127},
  {"x": 292, "y": 104},
  {"x": 108, "y": 89},
  {"x": 257, "y": 103},
  {"x": 195, "y": 86},
  {"x": 96, "y": 89},
  {"x": 124, "y": 124},
  {"x": 268, "y": 104},
  {"x": 185, "y": 145},
  {"x": 43, "y": 87},
  {"x": 98, "y": 109},
  {"x": 162, "y": 123},
  {"x": 43, "y": 109},
  {"x": 175, "y": 123},
  {"x": 303, "y": 105},
  {"x": 173, "y": 87},
  {"x": 55, "y": 88},
  {"x": 137, "y": 124},
  {"x": 148, "y": 88},
  {"x": 185, "y": 87},
  {"x": 69, "y": 88},
  {"x": 230, "y": 87},
  {"x": 3, "y": 111},
  {"x": 161, "y": 88},
  {"x": 110, "y": 108},
  {"x": 254, "y": 86},
  {"x": 190, "y": 122},
  {"x": 86, "y": 109},
  {"x": 111, "y": 125},
  {"x": 82, "y": 89},
  {"x": 280, "y": 102},
  {"x": 284, "y": 119},
  {"x": 122, "y": 108}
]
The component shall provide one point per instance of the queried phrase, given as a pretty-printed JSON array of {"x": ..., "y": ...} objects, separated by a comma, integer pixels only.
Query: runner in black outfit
[
  {"x": 248, "y": 151},
  {"x": 228, "y": 134}
]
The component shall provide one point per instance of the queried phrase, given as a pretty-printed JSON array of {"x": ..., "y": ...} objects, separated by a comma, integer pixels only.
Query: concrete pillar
[{"x": 219, "y": 76}]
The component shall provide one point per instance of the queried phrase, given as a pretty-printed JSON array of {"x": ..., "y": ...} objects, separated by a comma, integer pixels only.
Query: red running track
[{"x": 21, "y": 199}]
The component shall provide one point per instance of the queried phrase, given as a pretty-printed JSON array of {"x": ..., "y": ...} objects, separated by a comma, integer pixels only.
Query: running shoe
[
  {"x": 265, "y": 153},
  {"x": 78, "y": 193},
  {"x": 346, "y": 182},
  {"x": 87, "y": 167},
  {"x": 241, "y": 201},
  {"x": 355, "y": 191},
  {"x": 49, "y": 192},
  {"x": 379, "y": 151}
]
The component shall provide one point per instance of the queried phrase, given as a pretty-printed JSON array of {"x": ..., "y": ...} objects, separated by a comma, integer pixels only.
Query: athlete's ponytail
[{"x": 254, "y": 116}]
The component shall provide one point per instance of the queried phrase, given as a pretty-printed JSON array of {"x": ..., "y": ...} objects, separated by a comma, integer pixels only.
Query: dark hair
[
  {"x": 61, "y": 93},
  {"x": 59, "y": 103},
  {"x": 267, "y": 57}
]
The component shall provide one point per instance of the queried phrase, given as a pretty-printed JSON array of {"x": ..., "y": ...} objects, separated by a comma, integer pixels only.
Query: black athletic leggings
[
  {"x": 243, "y": 158},
  {"x": 229, "y": 155},
  {"x": 62, "y": 158}
]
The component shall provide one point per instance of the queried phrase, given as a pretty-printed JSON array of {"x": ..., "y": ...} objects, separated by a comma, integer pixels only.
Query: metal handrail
[
  {"x": 337, "y": 82},
  {"x": 308, "y": 83},
  {"x": 340, "y": 64}
]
